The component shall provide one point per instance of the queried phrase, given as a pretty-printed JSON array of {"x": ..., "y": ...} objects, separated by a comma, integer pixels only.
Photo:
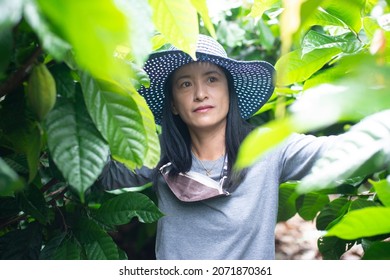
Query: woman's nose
[{"x": 200, "y": 93}]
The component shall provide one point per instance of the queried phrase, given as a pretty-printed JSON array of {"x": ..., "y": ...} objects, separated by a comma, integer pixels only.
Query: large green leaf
[
  {"x": 124, "y": 120},
  {"x": 9, "y": 179},
  {"x": 11, "y": 12},
  {"x": 361, "y": 203},
  {"x": 75, "y": 144},
  {"x": 122, "y": 208},
  {"x": 382, "y": 189},
  {"x": 178, "y": 22},
  {"x": 310, "y": 204},
  {"x": 348, "y": 11},
  {"x": 139, "y": 17},
  {"x": 21, "y": 244},
  {"x": 315, "y": 40},
  {"x": 260, "y": 6},
  {"x": 332, "y": 212},
  {"x": 201, "y": 7},
  {"x": 365, "y": 87},
  {"x": 270, "y": 136},
  {"x": 8, "y": 207},
  {"x": 377, "y": 251},
  {"x": 361, "y": 151},
  {"x": 97, "y": 243},
  {"x": 267, "y": 38},
  {"x": 287, "y": 198},
  {"x": 104, "y": 27},
  {"x": 61, "y": 247},
  {"x": 6, "y": 48},
  {"x": 369, "y": 221},
  {"x": 295, "y": 67},
  {"x": 50, "y": 41},
  {"x": 332, "y": 248},
  {"x": 27, "y": 139},
  {"x": 32, "y": 202},
  {"x": 322, "y": 18}
]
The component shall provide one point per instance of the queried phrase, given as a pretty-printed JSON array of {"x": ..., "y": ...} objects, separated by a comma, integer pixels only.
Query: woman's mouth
[{"x": 203, "y": 109}]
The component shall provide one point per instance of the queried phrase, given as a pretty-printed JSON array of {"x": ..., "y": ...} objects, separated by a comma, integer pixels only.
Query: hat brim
[{"x": 252, "y": 80}]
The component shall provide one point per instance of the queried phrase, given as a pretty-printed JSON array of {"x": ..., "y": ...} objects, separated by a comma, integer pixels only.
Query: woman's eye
[
  {"x": 212, "y": 79},
  {"x": 185, "y": 84}
]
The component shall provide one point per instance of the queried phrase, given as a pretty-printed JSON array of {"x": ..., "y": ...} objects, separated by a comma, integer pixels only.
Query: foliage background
[{"x": 332, "y": 60}]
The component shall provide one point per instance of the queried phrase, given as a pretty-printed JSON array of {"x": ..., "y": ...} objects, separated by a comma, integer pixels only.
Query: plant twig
[
  {"x": 18, "y": 77},
  {"x": 13, "y": 220}
]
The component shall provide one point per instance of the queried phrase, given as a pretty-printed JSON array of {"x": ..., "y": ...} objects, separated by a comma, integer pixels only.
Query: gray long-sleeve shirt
[{"x": 239, "y": 226}]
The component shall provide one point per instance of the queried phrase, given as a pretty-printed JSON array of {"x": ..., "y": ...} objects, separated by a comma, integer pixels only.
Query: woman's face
[{"x": 200, "y": 95}]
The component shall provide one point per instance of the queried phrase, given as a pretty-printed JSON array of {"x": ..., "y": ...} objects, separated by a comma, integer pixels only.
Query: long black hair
[{"x": 176, "y": 140}]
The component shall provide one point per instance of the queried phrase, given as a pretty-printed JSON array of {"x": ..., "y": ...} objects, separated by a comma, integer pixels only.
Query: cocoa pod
[{"x": 41, "y": 91}]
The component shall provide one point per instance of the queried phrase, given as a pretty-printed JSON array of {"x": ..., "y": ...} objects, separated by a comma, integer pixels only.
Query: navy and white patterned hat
[{"x": 253, "y": 80}]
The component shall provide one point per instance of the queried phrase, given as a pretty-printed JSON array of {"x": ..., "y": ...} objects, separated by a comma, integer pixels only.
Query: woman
[{"x": 211, "y": 211}]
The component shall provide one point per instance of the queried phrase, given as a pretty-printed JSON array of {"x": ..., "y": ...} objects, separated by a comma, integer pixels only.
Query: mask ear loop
[{"x": 224, "y": 173}]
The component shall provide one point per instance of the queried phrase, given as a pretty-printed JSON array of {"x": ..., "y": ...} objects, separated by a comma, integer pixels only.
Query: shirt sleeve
[
  {"x": 300, "y": 153},
  {"x": 116, "y": 175}
]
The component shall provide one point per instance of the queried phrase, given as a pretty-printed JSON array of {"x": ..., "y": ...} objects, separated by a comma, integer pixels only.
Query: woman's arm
[
  {"x": 116, "y": 175},
  {"x": 300, "y": 153}
]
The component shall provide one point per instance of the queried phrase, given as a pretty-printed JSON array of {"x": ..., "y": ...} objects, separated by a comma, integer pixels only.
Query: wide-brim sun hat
[{"x": 252, "y": 80}]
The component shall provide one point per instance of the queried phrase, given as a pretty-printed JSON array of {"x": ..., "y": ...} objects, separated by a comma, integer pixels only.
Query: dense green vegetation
[{"x": 332, "y": 58}]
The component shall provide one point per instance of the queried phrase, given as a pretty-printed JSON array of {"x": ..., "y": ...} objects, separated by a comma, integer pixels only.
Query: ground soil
[{"x": 296, "y": 239}]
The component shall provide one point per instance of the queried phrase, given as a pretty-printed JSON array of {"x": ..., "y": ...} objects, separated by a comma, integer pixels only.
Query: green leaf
[
  {"x": 33, "y": 150},
  {"x": 178, "y": 22},
  {"x": 97, "y": 244},
  {"x": 332, "y": 248},
  {"x": 369, "y": 221},
  {"x": 6, "y": 45},
  {"x": 21, "y": 244},
  {"x": 11, "y": 13},
  {"x": 308, "y": 9},
  {"x": 26, "y": 138},
  {"x": 361, "y": 203},
  {"x": 337, "y": 101},
  {"x": 377, "y": 251},
  {"x": 287, "y": 198},
  {"x": 332, "y": 212},
  {"x": 361, "y": 151},
  {"x": 315, "y": 40},
  {"x": 75, "y": 144},
  {"x": 295, "y": 67},
  {"x": 139, "y": 16},
  {"x": 61, "y": 247},
  {"x": 51, "y": 42},
  {"x": 33, "y": 203},
  {"x": 104, "y": 27},
  {"x": 124, "y": 120},
  {"x": 267, "y": 38},
  {"x": 348, "y": 11},
  {"x": 8, "y": 207},
  {"x": 322, "y": 18},
  {"x": 382, "y": 189},
  {"x": 310, "y": 204},
  {"x": 122, "y": 208},
  {"x": 9, "y": 180},
  {"x": 326, "y": 76},
  {"x": 270, "y": 136},
  {"x": 65, "y": 84},
  {"x": 201, "y": 7},
  {"x": 260, "y": 6}
]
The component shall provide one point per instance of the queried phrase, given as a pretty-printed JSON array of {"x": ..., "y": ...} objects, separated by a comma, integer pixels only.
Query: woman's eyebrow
[
  {"x": 187, "y": 76},
  {"x": 212, "y": 72}
]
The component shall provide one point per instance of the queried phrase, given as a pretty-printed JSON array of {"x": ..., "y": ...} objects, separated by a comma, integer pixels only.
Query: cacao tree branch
[
  {"x": 18, "y": 77},
  {"x": 13, "y": 220}
]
